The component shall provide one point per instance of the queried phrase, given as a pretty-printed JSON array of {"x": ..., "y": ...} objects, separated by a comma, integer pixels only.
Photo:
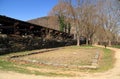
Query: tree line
[{"x": 96, "y": 20}]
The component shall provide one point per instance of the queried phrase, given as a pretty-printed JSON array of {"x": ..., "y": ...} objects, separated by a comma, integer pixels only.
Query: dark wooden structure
[{"x": 17, "y": 27}]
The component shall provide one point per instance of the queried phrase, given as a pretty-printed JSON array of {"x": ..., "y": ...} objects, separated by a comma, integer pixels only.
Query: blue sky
[{"x": 26, "y": 9}]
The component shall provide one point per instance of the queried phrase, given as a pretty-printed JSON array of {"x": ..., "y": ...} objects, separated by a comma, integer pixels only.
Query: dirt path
[{"x": 111, "y": 74}]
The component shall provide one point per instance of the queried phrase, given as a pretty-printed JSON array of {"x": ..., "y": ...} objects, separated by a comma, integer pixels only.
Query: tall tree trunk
[
  {"x": 78, "y": 40},
  {"x": 87, "y": 41},
  {"x": 69, "y": 28},
  {"x": 109, "y": 43}
]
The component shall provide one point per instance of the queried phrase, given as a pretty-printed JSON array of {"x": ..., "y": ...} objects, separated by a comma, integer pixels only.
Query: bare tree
[
  {"x": 66, "y": 9},
  {"x": 53, "y": 23},
  {"x": 60, "y": 11},
  {"x": 110, "y": 19},
  {"x": 89, "y": 18}
]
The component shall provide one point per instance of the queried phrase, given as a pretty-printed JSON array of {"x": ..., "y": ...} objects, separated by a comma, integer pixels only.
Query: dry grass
[{"x": 66, "y": 55}]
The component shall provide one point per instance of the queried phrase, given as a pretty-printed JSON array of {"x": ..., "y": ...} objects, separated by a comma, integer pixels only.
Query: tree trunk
[
  {"x": 87, "y": 41},
  {"x": 109, "y": 43},
  {"x": 78, "y": 41}
]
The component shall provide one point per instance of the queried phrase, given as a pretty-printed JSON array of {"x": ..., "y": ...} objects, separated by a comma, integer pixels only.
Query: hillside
[{"x": 48, "y": 21}]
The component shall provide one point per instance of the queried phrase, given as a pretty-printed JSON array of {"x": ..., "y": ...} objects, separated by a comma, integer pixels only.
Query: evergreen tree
[{"x": 62, "y": 23}]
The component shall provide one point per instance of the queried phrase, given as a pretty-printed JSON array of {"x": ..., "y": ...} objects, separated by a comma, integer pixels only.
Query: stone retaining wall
[{"x": 17, "y": 44}]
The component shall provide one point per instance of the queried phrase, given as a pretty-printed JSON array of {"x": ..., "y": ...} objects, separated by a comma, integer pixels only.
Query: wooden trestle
[{"x": 17, "y": 27}]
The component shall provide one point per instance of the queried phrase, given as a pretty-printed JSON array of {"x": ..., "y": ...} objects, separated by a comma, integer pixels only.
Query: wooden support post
[{"x": 15, "y": 24}]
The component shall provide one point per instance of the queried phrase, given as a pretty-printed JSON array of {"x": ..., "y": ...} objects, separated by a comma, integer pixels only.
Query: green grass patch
[
  {"x": 9, "y": 66},
  {"x": 116, "y": 46},
  {"x": 106, "y": 62},
  {"x": 82, "y": 46}
]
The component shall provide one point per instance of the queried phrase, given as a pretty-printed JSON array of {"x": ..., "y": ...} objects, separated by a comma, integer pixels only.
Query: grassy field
[{"x": 66, "y": 55}]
